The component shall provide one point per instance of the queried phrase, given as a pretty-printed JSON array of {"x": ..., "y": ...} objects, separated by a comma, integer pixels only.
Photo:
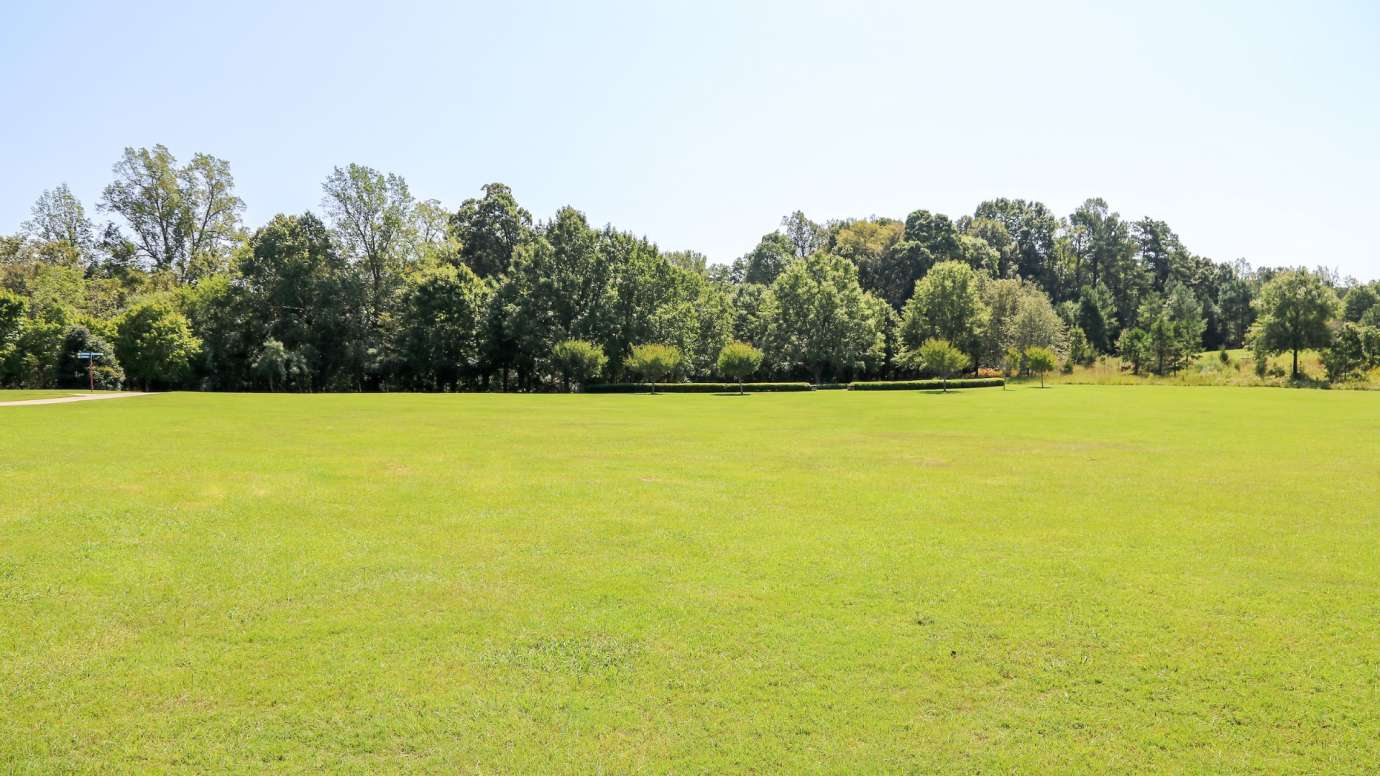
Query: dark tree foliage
[{"x": 489, "y": 229}]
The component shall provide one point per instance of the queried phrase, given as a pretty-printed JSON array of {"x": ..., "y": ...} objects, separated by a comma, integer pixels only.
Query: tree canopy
[{"x": 385, "y": 291}]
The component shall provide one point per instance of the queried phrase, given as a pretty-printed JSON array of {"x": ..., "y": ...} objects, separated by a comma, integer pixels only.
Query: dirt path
[{"x": 69, "y": 399}]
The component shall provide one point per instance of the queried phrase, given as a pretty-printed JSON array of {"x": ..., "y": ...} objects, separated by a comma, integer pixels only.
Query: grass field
[
  {"x": 25, "y": 395},
  {"x": 1208, "y": 370},
  {"x": 1083, "y": 578}
]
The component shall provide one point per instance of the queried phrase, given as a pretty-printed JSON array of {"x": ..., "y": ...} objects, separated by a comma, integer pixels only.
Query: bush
[
  {"x": 578, "y": 360},
  {"x": 988, "y": 372},
  {"x": 699, "y": 387},
  {"x": 738, "y": 360},
  {"x": 937, "y": 356},
  {"x": 1040, "y": 361},
  {"x": 925, "y": 385},
  {"x": 653, "y": 362}
]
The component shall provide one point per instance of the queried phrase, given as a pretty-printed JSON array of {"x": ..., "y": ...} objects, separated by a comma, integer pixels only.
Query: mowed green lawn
[
  {"x": 1082, "y": 578},
  {"x": 27, "y": 395}
]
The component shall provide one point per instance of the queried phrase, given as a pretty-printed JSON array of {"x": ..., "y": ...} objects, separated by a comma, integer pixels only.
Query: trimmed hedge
[
  {"x": 927, "y": 385},
  {"x": 697, "y": 387}
]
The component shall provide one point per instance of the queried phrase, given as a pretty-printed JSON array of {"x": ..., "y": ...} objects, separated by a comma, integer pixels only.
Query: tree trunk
[{"x": 740, "y": 386}]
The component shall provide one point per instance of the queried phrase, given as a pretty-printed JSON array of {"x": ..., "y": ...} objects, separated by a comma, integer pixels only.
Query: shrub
[
  {"x": 1346, "y": 358},
  {"x": 937, "y": 356},
  {"x": 699, "y": 387},
  {"x": 578, "y": 360},
  {"x": 738, "y": 360},
  {"x": 1011, "y": 361},
  {"x": 1135, "y": 346},
  {"x": 1040, "y": 361},
  {"x": 925, "y": 385},
  {"x": 653, "y": 362},
  {"x": 988, "y": 372}
]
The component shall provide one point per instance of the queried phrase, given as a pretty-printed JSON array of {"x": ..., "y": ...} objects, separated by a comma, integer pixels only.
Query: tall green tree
[
  {"x": 1109, "y": 256},
  {"x": 1034, "y": 323},
  {"x": 294, "y": 288},
  {"x": 865, "y": 242},
  {"x": 805, "y": 235},
  {"x": 154, "y": 342},
  {"x": 824, "y": 321},
  {"x": 1159, "y": 248},
  {"x": 489, "y": 229},
  {"x": 1032, "y": 228},
  {"x": 183, "y": 218},
  {"x": 58, "y": 219},
  {"x": 1097, "y": 317},
  {"x": 994, "y": 233},
  {"x": 1293, "y": 312},
  {"x": 947, "y": 305},
  {"x": 1359, "y": 300},
  {"x": 1234, "y": 310},
  {"x": 556, "y": 289},
  {"x": 442, "y": 327},
  {"x": 766, "y": 261},
  {"x": 372, "y": 215}
]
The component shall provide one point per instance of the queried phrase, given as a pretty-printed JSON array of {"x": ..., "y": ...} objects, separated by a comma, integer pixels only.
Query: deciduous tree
[
  {"x": 823, "y": 318},
  {"x": 653, "y": 362},
  {"x": 178, "y": 215},
  {"x": 1294, "y": 309},
  {"x": 939, "y": 357},
  {"x": 578, "y": 361},
  {"x": 947, "y": 305},
  {"x": 1040, "y": 361},
  {"x": 155, "y": 344},
  {"x": 738, "y": 360}
]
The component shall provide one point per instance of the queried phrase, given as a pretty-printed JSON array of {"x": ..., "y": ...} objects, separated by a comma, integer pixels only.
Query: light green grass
[
  {"x": 1081, "y": 578},
  {"x": 25, "y": 395},
  {"x": 1208, "y": 370}
]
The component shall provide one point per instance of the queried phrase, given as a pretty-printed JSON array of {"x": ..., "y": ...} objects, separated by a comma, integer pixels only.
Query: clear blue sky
[{"x": 1252, "y": 128}]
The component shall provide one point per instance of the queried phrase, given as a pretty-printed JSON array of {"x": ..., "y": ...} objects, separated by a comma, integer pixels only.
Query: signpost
[{"x": 90, "y": 358}]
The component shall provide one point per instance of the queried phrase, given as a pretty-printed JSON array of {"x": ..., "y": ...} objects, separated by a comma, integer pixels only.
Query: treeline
[{"x": 382, "y": 291}]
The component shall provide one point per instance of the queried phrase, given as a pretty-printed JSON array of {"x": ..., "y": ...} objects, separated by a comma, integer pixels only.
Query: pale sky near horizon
[{"x": 1252, "y": 128}]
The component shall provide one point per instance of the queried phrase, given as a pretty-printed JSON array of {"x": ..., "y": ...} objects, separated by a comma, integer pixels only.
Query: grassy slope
[
  {"x": 1076, "y": 578},
  {"x": 1209, "y": 370}
]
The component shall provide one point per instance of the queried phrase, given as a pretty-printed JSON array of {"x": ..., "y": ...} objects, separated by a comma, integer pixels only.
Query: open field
[
  {"x": 26, "y": 394},
  {"x": 1083, "y": 578}
]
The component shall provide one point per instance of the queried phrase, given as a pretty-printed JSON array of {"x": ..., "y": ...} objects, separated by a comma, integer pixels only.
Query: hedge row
[
  {"x": 926, "y": 385},
  {"x": 697, "y": 387}
]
